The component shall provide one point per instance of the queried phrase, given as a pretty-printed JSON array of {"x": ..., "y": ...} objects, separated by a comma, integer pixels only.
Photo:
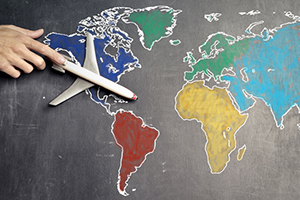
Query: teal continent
[{"x": 269, "y": 71}]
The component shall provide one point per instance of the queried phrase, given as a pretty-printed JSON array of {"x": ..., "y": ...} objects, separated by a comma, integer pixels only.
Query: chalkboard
[{"x": 70, "y": 151}]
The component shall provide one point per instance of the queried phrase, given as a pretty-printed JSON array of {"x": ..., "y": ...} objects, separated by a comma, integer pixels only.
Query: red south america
[{"x": 136, "y": 140}]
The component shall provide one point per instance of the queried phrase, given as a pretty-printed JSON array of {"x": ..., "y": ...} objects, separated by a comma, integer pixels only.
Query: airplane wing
[
  {"x": 90, "y": 63},
  {"x": 78, "y": 86}
]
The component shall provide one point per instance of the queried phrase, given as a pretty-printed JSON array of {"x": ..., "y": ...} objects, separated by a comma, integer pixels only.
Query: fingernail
[{"x": 61, "y": 60}]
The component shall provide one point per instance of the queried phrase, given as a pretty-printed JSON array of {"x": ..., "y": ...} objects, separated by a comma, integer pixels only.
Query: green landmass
[
  {"x": 153, "y": 24},
  {"x": 175, "y": 42},
  {"x": 189, "y": 58},
  {"x": 218, "y": 52}
]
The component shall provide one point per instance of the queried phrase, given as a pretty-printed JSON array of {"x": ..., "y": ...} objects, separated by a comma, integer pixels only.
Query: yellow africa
[{"x": 219, "y": 118}]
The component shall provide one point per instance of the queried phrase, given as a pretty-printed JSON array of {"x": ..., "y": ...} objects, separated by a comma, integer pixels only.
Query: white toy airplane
[{"x": 88, "y": 76}]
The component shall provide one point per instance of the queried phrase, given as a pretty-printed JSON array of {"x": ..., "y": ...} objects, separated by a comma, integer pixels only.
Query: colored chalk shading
[
  {"x": 218, "y": 52},
  {"x": 241, "y": 153},
  {"x": 175, "y": 42},
  {"x": 74, "y": 45},
  {"x": 220, "y": 120},
  {"x": 273, "y": 71},
  {"x": 115, "y": 58},
  {"x": 265, "y": 67},
  {"x": 136, "y": 140},
  {"x": 154, "y": 23},
  {"x": 189, "y": 58}
]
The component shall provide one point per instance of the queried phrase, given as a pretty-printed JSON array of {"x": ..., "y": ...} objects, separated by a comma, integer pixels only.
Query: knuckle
[
  {"x": 22, "y": 38},
  {"x": 43, "y": 48},
  {"x": 3, "y": 66},
  {"x": 17, "y": 49},
  {"x": 9, "y": 57}
]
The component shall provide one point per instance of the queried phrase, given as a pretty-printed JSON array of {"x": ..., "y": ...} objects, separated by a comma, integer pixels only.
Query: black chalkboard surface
[{"x": 70, "y": 152}]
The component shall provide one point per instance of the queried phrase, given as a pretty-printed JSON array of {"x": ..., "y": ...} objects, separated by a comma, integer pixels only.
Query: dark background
[{"x": 68, "y": 152}]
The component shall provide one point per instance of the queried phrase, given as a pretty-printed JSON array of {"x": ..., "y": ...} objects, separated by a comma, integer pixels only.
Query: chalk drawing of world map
[
  {"x": 221, "y": 87},
  {"x": 115, "y": 58},
  {"x": 242, "y": 69}
]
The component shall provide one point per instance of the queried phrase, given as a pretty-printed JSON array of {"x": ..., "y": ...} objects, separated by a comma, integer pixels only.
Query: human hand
[{"x": 15, "y": 50}]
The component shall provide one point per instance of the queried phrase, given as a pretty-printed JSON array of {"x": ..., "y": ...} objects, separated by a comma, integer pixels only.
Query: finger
[
  {"x": 10, "y": 70},
  {"x": 46, "y": 51},
  {"x": 19, "y": 63},
  {"x": 23, "y": 65},
  {"x": 36, "y": 60},
  {"x": 37, "y": 46},
  {"x": 35, "y": 34},
  {"x": 21, "y": 52},
  {"x": 13, "y": 72}
]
